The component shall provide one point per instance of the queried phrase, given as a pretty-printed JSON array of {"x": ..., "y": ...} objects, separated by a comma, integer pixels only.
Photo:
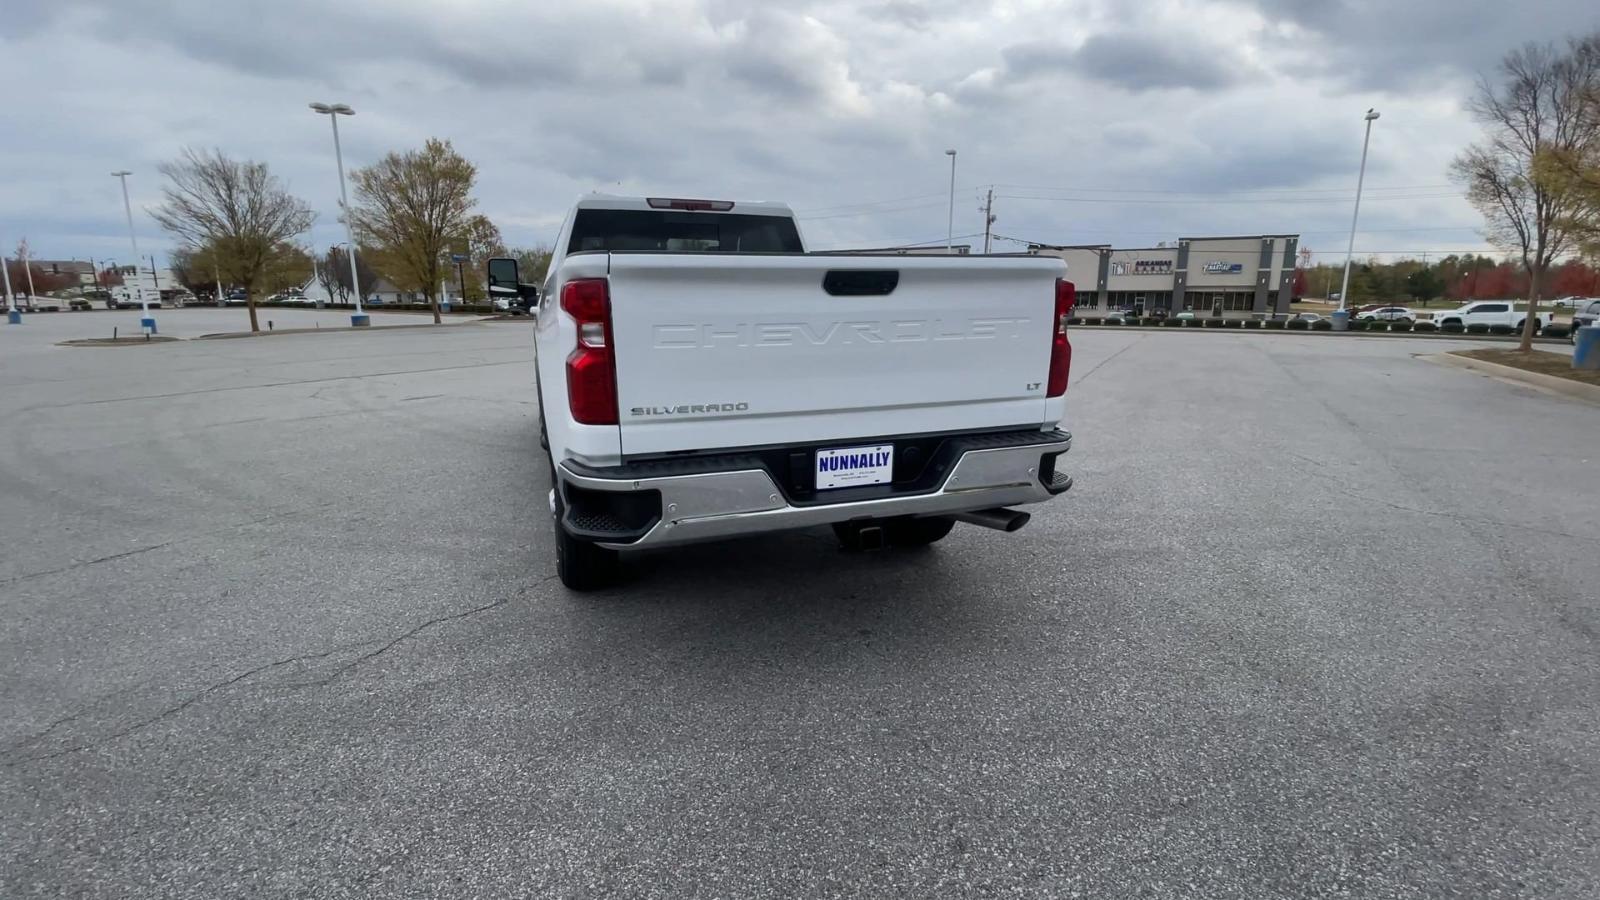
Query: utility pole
[
  {"x": 12, "y": 316},
  {"x": 950, "y": 223},
  {"x": 27, "y": 268},
  {"x": 988, "y": 218}
]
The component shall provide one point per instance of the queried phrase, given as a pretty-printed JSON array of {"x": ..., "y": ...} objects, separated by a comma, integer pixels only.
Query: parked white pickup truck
[
  {"x": 1490, "y": 312},
  {"x": 700, "y": 376}
]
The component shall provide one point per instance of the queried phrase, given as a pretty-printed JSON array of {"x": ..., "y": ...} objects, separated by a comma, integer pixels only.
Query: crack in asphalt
[
  {"x": 1097, "y": 366},
  {"x": 88, "y": 562},
  {"x": 249, "y": 673}
]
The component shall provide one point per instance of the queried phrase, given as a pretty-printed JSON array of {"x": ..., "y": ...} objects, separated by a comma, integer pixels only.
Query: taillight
[
  {"x": 1060, "y": 347},
  {"x": 591, "y": 366},
  {"x": 675, "y": 203}
]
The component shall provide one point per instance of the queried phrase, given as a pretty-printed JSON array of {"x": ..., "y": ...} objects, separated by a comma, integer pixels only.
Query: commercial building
[
  {"x": 1241, "y": 275},
  {"x": 81, "y": 271}
]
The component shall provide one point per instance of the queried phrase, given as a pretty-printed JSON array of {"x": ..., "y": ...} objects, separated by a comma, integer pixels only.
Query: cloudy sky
[{"x": 1095, "y": 122}]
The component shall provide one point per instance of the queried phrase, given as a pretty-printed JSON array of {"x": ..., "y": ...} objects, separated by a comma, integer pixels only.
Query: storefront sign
[
  {"x": 1143, "y": 267},
  {"x": 1218, "y": 267}
]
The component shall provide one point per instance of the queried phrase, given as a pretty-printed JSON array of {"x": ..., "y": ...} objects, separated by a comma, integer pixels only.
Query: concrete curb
[
  {"x": 1577, "y": 390},
  {"x": 1398, "y": 335},
  {"x": 119, "y": 342},
  {"x": 230, "y": 335}
]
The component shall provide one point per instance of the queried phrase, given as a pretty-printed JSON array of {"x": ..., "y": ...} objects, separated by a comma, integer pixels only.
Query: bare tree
[
  {"x": 240, "y": 212},
  {"x": 1539, "y": 109},
  {"x": 329, "y": 279},
  {"x": 410, "y": 208},
  {"x": 337, "y": 264}
]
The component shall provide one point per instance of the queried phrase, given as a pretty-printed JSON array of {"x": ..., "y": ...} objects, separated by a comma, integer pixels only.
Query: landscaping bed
[{"x": 1536, "y": 361}]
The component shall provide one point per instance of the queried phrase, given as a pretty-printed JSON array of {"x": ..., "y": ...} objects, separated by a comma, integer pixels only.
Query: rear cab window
[{"x": 636, "y": 230}]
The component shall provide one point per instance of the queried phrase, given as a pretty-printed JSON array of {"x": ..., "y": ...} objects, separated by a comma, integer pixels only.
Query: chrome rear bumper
[{"x": 711, "y": 505}]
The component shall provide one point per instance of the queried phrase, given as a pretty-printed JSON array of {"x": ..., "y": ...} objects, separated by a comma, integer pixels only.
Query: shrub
[
  {"x": 1172, "y": 323},
  {"x": 1214, "y": 323},
  {"x": 1091, "y": 320},
  {"x": 1253, "y": 323},
  {"x": 1376, "y": 325},
  {"x": 1150, "y": 321},
  {"x": 1112, "y": 320},
  {"x": 1357, "y": 325},
  {"x": 1502, "y": 329},
  {"x": 1322, "y": 325},
  {"x": 1298, "y": 325},
  {"x": 1274, "y": 324},
  {"x": 1232, "y": 323},
  {"x": 1477, "y": 328},
  {"x": 1399, "y": 326},
  {"x": 1425, "y": 326},
  {"x": 1196, "y": 323},
  {"x": 1074, "y": 320},
  {"x": 1452, "y": 328},
  {"x": 1557, "y": 329}
]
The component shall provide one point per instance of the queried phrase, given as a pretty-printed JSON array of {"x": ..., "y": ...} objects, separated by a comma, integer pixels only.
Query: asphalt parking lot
[{"x": 1319, "y": 619}]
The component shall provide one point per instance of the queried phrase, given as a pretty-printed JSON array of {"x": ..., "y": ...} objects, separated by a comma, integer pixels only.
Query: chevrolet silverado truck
[
  {"x": 700, "y": 376},
  {"x": 1491, "y": 312}
]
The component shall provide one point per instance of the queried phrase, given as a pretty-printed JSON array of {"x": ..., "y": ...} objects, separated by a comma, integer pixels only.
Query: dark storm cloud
[
  {"x": 1387, "y": 45},
  {"x": 1128, "y": 60}
]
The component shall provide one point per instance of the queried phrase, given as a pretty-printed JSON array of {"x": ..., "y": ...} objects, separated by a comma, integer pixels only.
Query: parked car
[
  {"x": 1306, "y": 317},
  {"x": 889, "y": 397},
  {"x": 1584, "y": 316},
  {"x": 236, "y": 298},
  {"x": 1490, "y": 312},
  {"x": 1570, "y": 302},
  {"x": 125, "y": 298},
  {"x": 1186, "y": 314},
  {"x": 1387, "y": 314}
]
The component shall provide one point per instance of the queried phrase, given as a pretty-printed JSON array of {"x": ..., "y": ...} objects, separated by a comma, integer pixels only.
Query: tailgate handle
[{"x": 860, "y": 282}]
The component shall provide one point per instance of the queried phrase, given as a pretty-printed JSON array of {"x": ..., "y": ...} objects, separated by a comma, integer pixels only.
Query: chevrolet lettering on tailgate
[{"x": 809, "y": 334}]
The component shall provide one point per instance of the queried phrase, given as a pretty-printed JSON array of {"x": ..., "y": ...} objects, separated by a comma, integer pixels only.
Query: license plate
[{"x": 854, "y": 466}]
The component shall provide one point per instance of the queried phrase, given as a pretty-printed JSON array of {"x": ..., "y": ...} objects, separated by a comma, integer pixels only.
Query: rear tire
[{"x": 917, "y": 532}]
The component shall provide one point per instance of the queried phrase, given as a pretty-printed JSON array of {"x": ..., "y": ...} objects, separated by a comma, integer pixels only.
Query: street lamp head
[
  {"x": 333, "y": 109},
  {"x": 120, "y": 174},
  {"x": 949, "y": 153},
  {"x": 1371, "y": 114}
]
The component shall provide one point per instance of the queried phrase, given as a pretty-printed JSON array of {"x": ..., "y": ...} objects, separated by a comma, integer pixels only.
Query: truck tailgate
[{"x": 723, "y": 351}]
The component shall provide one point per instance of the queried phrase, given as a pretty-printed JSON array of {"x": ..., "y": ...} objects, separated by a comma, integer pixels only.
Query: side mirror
[
  {"x": 502, "y": 275},
  {"x": 505, "y": 281}
]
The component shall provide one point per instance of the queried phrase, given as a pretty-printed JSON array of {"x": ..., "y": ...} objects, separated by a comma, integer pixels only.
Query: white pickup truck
[
  {"x": 1490, "y": 312},
  {"x": 700, "y": 376}
]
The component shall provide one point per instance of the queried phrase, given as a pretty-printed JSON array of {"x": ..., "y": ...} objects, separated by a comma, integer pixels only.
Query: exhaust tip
[{"x": 1007, "y": 520}]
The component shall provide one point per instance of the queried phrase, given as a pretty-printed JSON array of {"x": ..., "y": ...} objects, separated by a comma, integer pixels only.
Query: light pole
[
  {"x": 333, "y": 112},
  {"x": 950, "y": 220},
  {"x": 146, "y": 322},
  {"x": 27, "y": 269},
  {"x": 12, "y": 315},
  {"x": 1341, "y": 319}
]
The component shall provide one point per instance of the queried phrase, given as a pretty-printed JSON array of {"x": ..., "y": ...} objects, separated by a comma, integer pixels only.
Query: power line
[
  {"x": 1295, "y": 200},
  {"x": 1103, "y": 190},
  {"x": 1344, "y": 194},
  {"x": 907, "y": 245},
  {"x": 870, "y": 212}
]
